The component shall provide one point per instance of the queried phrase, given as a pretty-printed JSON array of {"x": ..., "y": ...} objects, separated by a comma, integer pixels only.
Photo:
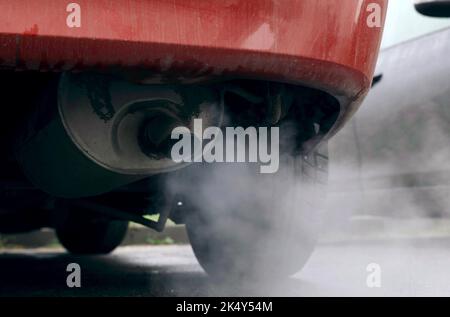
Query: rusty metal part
[
  {"x": 103, "y": 117},
  {"x": 92, "y": 145}
]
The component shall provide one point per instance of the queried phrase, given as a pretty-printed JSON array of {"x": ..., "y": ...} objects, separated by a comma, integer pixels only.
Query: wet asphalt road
[{"x": 408, "y": 268}]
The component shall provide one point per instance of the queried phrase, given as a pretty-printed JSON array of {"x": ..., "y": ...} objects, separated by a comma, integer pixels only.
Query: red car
[{"x": 93, "y": 89}]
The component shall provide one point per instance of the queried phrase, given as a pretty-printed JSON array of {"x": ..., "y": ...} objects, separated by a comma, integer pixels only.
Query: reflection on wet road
[{"x": 408, "y": 268}]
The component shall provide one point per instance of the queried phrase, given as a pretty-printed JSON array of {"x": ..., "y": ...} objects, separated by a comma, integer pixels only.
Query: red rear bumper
[{"x": 320, "y": 43}]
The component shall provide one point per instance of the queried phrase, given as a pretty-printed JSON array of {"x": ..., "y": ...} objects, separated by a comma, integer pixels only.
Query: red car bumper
[{"x": 325, "y": 44}]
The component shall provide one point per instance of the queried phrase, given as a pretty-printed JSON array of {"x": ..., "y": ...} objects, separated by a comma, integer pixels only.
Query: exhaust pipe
[{"x": 107, "y": 133}]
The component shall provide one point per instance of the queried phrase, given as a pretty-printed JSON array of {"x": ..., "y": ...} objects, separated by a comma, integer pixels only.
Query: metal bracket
[{"x": 119, "y": 214}]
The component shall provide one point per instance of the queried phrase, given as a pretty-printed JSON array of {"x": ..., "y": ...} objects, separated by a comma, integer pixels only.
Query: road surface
[{"x": 407, "y": 268}]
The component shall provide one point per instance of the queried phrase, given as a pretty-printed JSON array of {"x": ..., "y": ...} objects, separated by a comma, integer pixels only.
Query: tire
[
  {"x": 260, "y": 226},
  {"x": 83, "y": 235}
]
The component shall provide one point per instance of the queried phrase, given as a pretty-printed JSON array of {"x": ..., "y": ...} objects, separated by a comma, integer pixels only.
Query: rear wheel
[
  {"x": 261, "y": 225},
  {"x": 81, "y": 233}
]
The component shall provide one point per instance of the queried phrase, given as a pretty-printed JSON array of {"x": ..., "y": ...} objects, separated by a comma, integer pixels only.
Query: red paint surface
[{"x": 322, "y": 43}]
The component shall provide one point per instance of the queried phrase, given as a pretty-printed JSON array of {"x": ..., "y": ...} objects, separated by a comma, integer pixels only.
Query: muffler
[{"x": 107, "y": 133}]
